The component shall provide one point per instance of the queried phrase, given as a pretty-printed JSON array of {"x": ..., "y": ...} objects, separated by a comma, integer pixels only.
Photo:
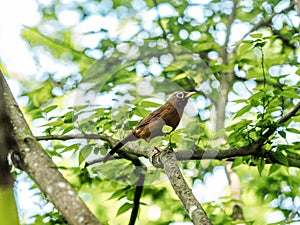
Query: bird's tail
[{"x": 119, "y": 145}]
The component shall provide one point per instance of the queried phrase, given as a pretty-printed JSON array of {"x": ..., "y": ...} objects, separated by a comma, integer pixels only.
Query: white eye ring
[{"x": 180, "y": 95}]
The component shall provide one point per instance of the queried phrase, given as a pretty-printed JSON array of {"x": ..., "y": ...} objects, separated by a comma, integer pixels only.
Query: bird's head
[{"x": 180, "y": 98}]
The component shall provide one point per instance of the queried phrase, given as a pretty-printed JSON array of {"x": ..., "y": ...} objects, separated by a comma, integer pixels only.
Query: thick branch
[
  {"x": 6, "y": 141},
  {"x": 185, "y": 194},
  {"x": 199, "y": 154},
  {"x": 8, "y": 208},
  {"x": 31, "y": 157}
]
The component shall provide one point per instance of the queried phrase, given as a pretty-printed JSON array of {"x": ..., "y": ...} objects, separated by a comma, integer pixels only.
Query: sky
[
  {"x": 15, "y": 54},
  {"x": 12, "y": 19}
]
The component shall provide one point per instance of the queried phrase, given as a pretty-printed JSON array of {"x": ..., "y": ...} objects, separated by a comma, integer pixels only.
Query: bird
[{"x": 152, "y": 125}]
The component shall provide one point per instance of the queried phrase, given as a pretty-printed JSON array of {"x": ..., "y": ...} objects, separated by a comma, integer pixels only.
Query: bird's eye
[{"x": 180, "y": 95}]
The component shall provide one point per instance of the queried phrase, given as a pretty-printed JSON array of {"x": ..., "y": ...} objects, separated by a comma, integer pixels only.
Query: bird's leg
[
  {"x": 154, "y": 159},
  {"x": 158, "y": 149}
]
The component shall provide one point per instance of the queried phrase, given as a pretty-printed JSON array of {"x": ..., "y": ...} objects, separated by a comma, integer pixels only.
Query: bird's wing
[{"x": 152, "y": 116}]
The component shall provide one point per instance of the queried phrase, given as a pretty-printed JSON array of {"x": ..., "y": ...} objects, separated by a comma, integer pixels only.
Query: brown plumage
[{"x": 151, "y": 126}]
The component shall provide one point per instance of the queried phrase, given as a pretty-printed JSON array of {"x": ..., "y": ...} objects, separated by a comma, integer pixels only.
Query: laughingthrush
[{"x": 152, "y": 125}]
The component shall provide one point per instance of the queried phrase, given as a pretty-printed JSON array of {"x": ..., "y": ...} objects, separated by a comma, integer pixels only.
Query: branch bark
[
  {"x": 185, "y": 194},
  {"x": 29, "y": 156},
  {"x": 138, "y": 191},
  {"x": 192, "y": 154},
  {"x": 8, "y": 208}
]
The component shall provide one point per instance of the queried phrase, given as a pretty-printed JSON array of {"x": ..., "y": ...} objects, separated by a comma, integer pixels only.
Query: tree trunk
[{"x": 29, "y": 156}]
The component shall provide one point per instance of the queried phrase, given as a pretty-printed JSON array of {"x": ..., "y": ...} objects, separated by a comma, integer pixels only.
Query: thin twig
[
  {"x": 267, "y": 21},
  {"x": 165, "y": 34},
  {"x": 231, "y": 18},
  {"x": 110, "y": 140}
]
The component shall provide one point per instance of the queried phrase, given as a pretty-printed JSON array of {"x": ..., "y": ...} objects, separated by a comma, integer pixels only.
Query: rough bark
[
  {"x": 29, "y": 156},
  {"x": 194, "y": 153},
  {"x": 185, "y": 194},
  {"x": 8, "y": 208}
]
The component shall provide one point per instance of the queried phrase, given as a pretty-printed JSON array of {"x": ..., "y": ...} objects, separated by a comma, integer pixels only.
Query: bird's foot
[{"x": 154, "y": 159}]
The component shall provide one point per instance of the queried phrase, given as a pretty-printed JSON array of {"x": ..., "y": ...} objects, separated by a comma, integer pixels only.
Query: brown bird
[{"x": 151, "y": 126}]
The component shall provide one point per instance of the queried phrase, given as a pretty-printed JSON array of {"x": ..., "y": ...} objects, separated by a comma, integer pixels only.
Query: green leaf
[
  {"x": 244, "y": 48},
  {"x": 148, "y": 104},
  {"x": 256, "y": 35},
  {"x": 56, "y": 123},
  {"x": 50, "y": 108},
  {"x": 119, "y": 193},
  {"x": 255, "y": 73},
  {"x": 257, "y": 96},
  {"x": 293, "y": 130},
  {"x": 130, "y": 194},
  {"x": 274, "y": 168},
  {"x": 139, "y": 111},
  {"x": 260, "y": 165},
  {"x": 282, "y": 133},
  {"x": 36, "y": 113},
  {"x": 254, "y": 102},
  {"x": 240, "y": 101},
  {"x": 84, "y": 153},
  {"x": 124, "y": 208},
  {"x": 177, "y": 134},
  {"x": 167, "y": 129},
  {"x": 238, "y": 161},
  {"x": 260, "y": 44},
  {"x": 296, "y": 119},
  {"x": 68, "y": 129},
  {"x": 242, "y": 111},
  {"x": 280, "y": 157},
  {"x": 290, "y": 94},
  {"x": 180, "y": 76},
  {"x": 71, "y": 147},
  {"x": 69, "y": 117}
]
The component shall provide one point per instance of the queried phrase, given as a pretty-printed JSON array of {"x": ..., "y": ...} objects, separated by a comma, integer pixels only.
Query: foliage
[{"x": 133, "y": 56}]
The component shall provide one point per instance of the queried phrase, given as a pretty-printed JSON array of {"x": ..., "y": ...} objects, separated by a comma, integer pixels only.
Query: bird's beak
[{"x": 190, "y": 94}]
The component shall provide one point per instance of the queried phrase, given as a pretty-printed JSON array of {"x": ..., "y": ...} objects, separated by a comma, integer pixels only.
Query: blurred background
[{"x": 100, "y": 66}]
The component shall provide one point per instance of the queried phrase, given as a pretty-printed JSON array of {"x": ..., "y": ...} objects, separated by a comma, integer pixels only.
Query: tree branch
[
  {"x": 231, "y": 18},
  {"x": 8, "y": 208},
  {"x": 268, "y": 20},
  {"x": 138, "y": 191},
  {"x": 280, "y": 121},
  {"x": 195, "y": 153},
  {"x": 31, "y": 157},
  {"x": 185, "y": 194},
  {"x": 75, "y": 136}
]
